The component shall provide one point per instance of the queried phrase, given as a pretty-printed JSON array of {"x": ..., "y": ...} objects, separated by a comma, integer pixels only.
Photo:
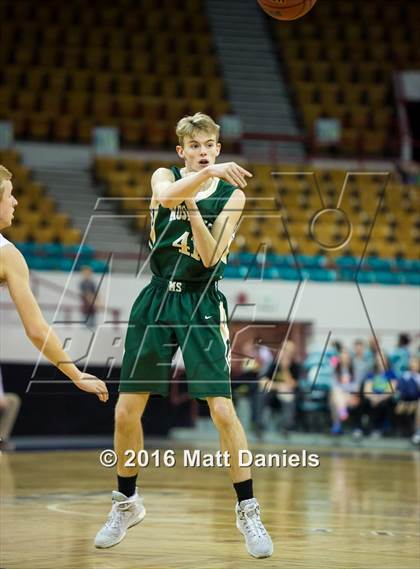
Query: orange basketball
[{"x": 286, "y": 9}]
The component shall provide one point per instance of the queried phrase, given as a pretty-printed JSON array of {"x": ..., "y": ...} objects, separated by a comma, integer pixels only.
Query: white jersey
[{"x": 4, "y": 241}]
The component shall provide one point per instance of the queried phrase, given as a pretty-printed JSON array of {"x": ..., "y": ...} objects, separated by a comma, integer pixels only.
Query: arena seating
[
  {"x": 340, "y": 61},
  {"x": 44, "y": 235},
  {"x": 392, "y": 245},
  {"x": 36, "y": 218},
  {"x": 135, "y": 65}
]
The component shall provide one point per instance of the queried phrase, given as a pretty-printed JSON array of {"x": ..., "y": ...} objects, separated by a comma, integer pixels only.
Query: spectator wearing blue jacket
[
  {"x": 408, "y": 396},
  {"x": 378, "y": 389}
]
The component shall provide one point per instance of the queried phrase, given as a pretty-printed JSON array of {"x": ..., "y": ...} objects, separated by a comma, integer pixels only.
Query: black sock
[
  {"x": 127, "y": 485},
  {"x": 244, "y": 490}
]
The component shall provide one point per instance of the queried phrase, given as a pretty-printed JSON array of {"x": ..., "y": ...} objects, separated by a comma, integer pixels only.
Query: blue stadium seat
[
  {"x": 65, "y": 264},
  {"x": 346, "y": 274},
  {"x": 271, "y": 258},
  {"x": 85, "y": 252},
  {"x": 25, "y": 248},
  {"x": 41, "y": 263},
  {"x": 231, "y": 272},
  {"x": 379, "y": 264},
  {"x": 407, "y": 264},
  {"x": 403, "y": 264},
  {"x": 386, "y": 277},
  {"x": 328, "y": 275},
  {"x": 246, "y": 258},
  {"x": 411, "y": 278},
  {"x": 98, "y": 266},
  {"x": 308, "y": 261},
  {"x": 285, "y": 261},
  {"x": 272, "y": 273},
  {"x": 49, "y": 249},
  {"x": 366, "y": 277},
  {"x": 292, "y": 274},
  {"x": 347, "y": 261}
]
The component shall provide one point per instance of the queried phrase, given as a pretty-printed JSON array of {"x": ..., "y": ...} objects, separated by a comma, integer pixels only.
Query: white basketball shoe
[
  {"x": 125, "y": 513},
  {"x": 248, "y": 522}
]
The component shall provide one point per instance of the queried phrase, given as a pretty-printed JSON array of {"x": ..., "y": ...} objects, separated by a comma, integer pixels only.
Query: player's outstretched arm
[
  {"x": 231, "y": 172},
  {"x": 171, "y": 193},
  {"x": 16, "y": 273},
  {"x": 213, "y": 245}
]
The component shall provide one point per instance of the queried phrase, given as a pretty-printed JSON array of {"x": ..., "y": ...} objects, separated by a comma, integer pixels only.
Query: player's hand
[
  {"x": 191, "y": 204},
  {"x": 230, "y": 172},
  {"x": 92, "y": 384}
]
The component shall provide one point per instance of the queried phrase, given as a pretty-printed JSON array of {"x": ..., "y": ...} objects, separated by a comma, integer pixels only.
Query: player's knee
[
  {"x": 223, "y": 413},
  {"x": 124, "y": 416}
]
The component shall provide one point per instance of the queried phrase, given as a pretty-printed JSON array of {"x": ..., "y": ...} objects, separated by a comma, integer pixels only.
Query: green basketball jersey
[{"x": 174, "y": 256}]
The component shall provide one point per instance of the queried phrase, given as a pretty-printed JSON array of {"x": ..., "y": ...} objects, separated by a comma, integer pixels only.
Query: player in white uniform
[{"x": 15, "y": 274}]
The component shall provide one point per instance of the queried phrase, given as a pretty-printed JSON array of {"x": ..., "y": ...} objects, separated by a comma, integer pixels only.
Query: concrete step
[{"x": 257, "y": 91}]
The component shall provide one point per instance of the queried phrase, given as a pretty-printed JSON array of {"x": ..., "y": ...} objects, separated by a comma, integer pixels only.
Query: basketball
[{"x": 286, "y": 9}]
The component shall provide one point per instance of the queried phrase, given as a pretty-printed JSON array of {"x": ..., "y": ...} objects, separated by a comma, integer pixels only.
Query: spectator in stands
[
  {"x": 315, "y": 386},
  {"x": 265, "y": 358},
  {"x": 409, "y": 172},
  {"x": 344, "y": 392},
  {"x": 88, "y": 296},
  {"x": 362, "y": 363},
  {"x": 337, "y": 347},
  {"x": 246, "y": 382},
  {"x": 378, "y": 394},
  {"x": 400, "y": 357},
  {"x": 408, "y": 396},
  {"x": 278, "y": 387},
  {"x": 9, "y": 409}
]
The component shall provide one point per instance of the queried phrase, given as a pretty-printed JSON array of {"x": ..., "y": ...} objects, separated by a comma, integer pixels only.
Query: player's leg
[
  {"x": 9, "y": 409},
  {"x": 415, "y": 439},
  {"x": 127, "y": 505},
  {"x": 233, "y": 439},
  {"x": 205, "y": 347},
  {"x": 145, "y": 369},
  {"x": 128, "y": 434},
  {"x": 206, "y": 353}
]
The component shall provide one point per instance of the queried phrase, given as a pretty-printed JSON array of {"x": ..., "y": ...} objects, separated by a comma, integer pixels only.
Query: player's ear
[
  {"x": 218, "y": 148},
  {"x": 180, "y": 151}
]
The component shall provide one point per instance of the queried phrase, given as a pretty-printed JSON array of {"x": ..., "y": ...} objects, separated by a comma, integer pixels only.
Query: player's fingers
[
  {"x": 241, "y": 170},
  {"x": 230, "y": 179},
  {"x": 245, "y": 172},
  {"x": 239, "y": 181},
  {"x": 239, "y": 174},
  {"x": 103, "y": 396}
]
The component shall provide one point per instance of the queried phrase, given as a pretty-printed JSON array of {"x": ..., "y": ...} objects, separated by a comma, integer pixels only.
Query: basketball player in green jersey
[
  {"x": 194, "y": 214},
  {"x": 15, "y": 274}
]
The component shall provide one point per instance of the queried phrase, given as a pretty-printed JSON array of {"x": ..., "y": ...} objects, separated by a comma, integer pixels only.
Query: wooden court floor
[{"x": 354, "y": 511}]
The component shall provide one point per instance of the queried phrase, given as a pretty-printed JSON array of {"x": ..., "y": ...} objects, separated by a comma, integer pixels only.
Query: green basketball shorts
[{"x": 168, "y": 314}]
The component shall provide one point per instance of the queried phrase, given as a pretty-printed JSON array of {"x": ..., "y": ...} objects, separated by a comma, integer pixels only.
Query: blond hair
[
  {"x": 4, "y": 175},
  {"x": 190, "y": 125}
]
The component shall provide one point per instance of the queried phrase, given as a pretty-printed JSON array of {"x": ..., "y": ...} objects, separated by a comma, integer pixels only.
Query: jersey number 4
[{"x": 182, "y": 244}]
